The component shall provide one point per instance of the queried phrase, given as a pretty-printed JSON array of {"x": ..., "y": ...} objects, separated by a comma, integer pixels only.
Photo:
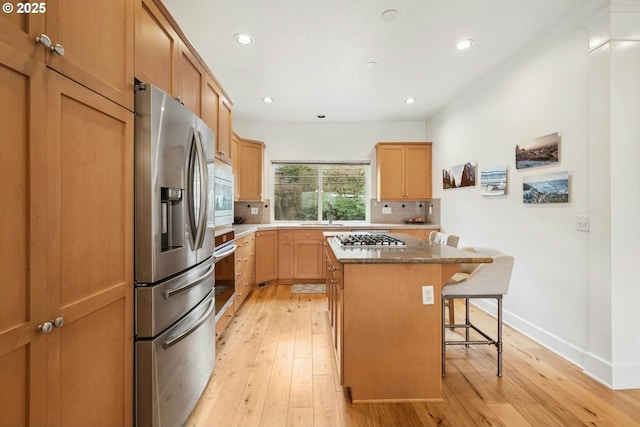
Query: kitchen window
[{"x": 314, "y": 192}]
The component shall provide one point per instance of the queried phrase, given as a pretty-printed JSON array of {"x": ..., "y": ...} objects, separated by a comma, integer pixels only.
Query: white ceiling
[{"x": 310, "y": 56}]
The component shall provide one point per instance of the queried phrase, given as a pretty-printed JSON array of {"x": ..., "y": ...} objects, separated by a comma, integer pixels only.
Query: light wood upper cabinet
[
  {"x": 248, "y": 157},
  {"x": 97, "y": 38},
  {"x": 403, "y": 171},
  {"x": 190, "y": 80},
  {"x": 156, "y": 47},
  {"x": 210, "y": 107},
  {"x": 91, "y": 43},
  {"x": 225, "y": 126},
  {"x": 19, "y": 30}
]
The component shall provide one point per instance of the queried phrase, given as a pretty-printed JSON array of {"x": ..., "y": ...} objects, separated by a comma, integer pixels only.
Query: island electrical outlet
[{"x": 427, "y": 295}]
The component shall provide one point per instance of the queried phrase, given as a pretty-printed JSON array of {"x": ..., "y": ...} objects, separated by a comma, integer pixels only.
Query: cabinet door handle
[
  {"x": 46, "y": 327},
  {"x": 44, "y": 40},
  {"x": 57, "y": 49},
  {"x": 58, "y": 322}
]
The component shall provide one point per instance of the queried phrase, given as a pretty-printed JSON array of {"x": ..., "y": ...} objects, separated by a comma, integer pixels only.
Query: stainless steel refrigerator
[{"x": 174, "y": 268}]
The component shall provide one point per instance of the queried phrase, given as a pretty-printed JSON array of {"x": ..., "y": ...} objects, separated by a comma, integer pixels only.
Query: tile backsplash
[
  {"x": 401, "y": 211},
  {"x": 244, "y": 210}
]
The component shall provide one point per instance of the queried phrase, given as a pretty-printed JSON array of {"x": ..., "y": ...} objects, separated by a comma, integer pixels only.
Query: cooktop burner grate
[{"x": 376, "y": 240}]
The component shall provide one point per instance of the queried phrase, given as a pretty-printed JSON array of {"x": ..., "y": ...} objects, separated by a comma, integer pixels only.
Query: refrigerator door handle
[
  {"x": 180, "y": 289},
  {"x": 171, "y": 341},
  {"x": 204, "y": 179},
  {"x": 197, "y": 220}
]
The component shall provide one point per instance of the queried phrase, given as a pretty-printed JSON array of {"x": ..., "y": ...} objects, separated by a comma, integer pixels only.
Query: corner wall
[{"x": 567, "y": 289}]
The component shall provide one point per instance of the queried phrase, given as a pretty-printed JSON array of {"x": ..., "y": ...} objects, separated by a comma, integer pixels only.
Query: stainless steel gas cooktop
[{"x": 368, "y": 240}]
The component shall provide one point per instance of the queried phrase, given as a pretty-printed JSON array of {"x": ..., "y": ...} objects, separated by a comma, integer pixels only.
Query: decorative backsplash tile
[
  {"x": 244, "y": 210},
  {"x": 400, "y": 212},
  {"x": 429, "y": 210}
]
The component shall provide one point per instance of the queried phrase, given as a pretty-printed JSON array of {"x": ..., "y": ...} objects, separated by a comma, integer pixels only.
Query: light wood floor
[{"x": 275, "y": 367}]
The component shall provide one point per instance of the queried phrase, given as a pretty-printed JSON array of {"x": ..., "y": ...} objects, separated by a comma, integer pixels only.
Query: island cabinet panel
[
  {"x": 266, "y": 256},
  {"x": 403, "y": 171},
  {"x": 392, "y": 341},
  {"x": 335, "y": 298}
]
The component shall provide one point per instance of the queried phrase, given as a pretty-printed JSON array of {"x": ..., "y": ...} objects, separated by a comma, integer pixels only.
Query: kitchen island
[{"x": 385, "y": 315}]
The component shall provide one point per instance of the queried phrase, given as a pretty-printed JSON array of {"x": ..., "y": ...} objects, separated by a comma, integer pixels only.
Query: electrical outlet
[
  {"x": 582, "y": 223},
  {"x": 386, "y": 211},
  {"x": 254, "y": 211},
  {"x": 427, "y": 295}
]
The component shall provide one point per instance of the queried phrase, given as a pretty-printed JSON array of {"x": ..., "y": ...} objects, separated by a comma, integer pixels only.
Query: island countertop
[{"x": 415, "y": 251}]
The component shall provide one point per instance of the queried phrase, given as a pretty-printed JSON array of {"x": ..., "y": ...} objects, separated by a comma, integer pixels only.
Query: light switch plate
[
  {"x": 427, "y": 295},
  {"x": 254, "y": 211},
  {"x": 386, "y": 211}
]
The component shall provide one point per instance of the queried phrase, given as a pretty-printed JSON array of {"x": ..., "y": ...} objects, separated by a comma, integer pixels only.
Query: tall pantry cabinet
[{"x": 66, "y": 217}]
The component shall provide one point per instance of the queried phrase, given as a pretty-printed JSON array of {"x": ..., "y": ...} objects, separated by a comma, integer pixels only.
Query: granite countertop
[
  {"x": 242, "y": 229},
  {"x": 416, "y": 251}
]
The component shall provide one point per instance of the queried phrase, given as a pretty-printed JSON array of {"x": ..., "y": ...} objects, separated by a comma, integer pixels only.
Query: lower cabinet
[
  {"x": 245, "y": 267},
  {"x": 66, "y": 253},
  {"x": 300, "y": 255},
  {"x": 266, "y": 256}
]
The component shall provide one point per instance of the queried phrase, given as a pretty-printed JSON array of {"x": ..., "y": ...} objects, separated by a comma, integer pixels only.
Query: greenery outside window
[{"x": 314, "y": 191}]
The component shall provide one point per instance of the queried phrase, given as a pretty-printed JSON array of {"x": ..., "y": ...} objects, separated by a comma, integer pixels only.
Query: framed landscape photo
[
  {"x": 463, "y": 175},
  {"x": 546, "y": 188},
  {"x": 493, "y": 181},
  {"x": 544, "y": 151}
]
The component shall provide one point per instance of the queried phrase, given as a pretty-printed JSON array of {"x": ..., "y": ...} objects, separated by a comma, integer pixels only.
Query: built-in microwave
[{"x": 223, "y": 196}]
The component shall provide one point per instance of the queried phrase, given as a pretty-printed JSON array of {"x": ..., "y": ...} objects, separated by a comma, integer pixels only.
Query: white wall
[
  {"x": 570, "y": 290},
  {"x": 326, "y": 141}
]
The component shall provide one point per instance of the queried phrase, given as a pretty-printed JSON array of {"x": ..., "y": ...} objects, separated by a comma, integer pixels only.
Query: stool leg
[
  {"x": 444, "y": 346},
  {"x": 499, "y": 336},
  {"x": 466, "y": 321}
]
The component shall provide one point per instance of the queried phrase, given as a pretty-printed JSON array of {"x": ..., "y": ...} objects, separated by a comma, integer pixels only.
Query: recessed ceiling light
[
  {"x": 371, "y": 64},
  {"x": 267, "y": 100},
  {"x": 464, "y": 44},
  {"x": 243, "y": 38},
  {"x": 389, "y": 15},
  {"x": 410, "y": 100}
]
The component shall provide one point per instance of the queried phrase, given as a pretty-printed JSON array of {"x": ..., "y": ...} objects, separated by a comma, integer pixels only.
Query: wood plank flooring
[{"x": 275, "y": 367}]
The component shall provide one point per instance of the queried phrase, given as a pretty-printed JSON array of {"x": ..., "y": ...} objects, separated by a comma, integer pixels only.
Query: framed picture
[
  {"x": 493, "y": 181},
  {"x": 463, "y": 175},
  {"x": 546, "y": 188},
  {"x": 544, "y": 151}
]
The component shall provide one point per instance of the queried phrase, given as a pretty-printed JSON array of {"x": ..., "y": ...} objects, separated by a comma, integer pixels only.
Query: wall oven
[
  {"x": 174, "y": 265},
  {"x": 223, "y": 189},
  {"x": 224, "y": 258}
]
